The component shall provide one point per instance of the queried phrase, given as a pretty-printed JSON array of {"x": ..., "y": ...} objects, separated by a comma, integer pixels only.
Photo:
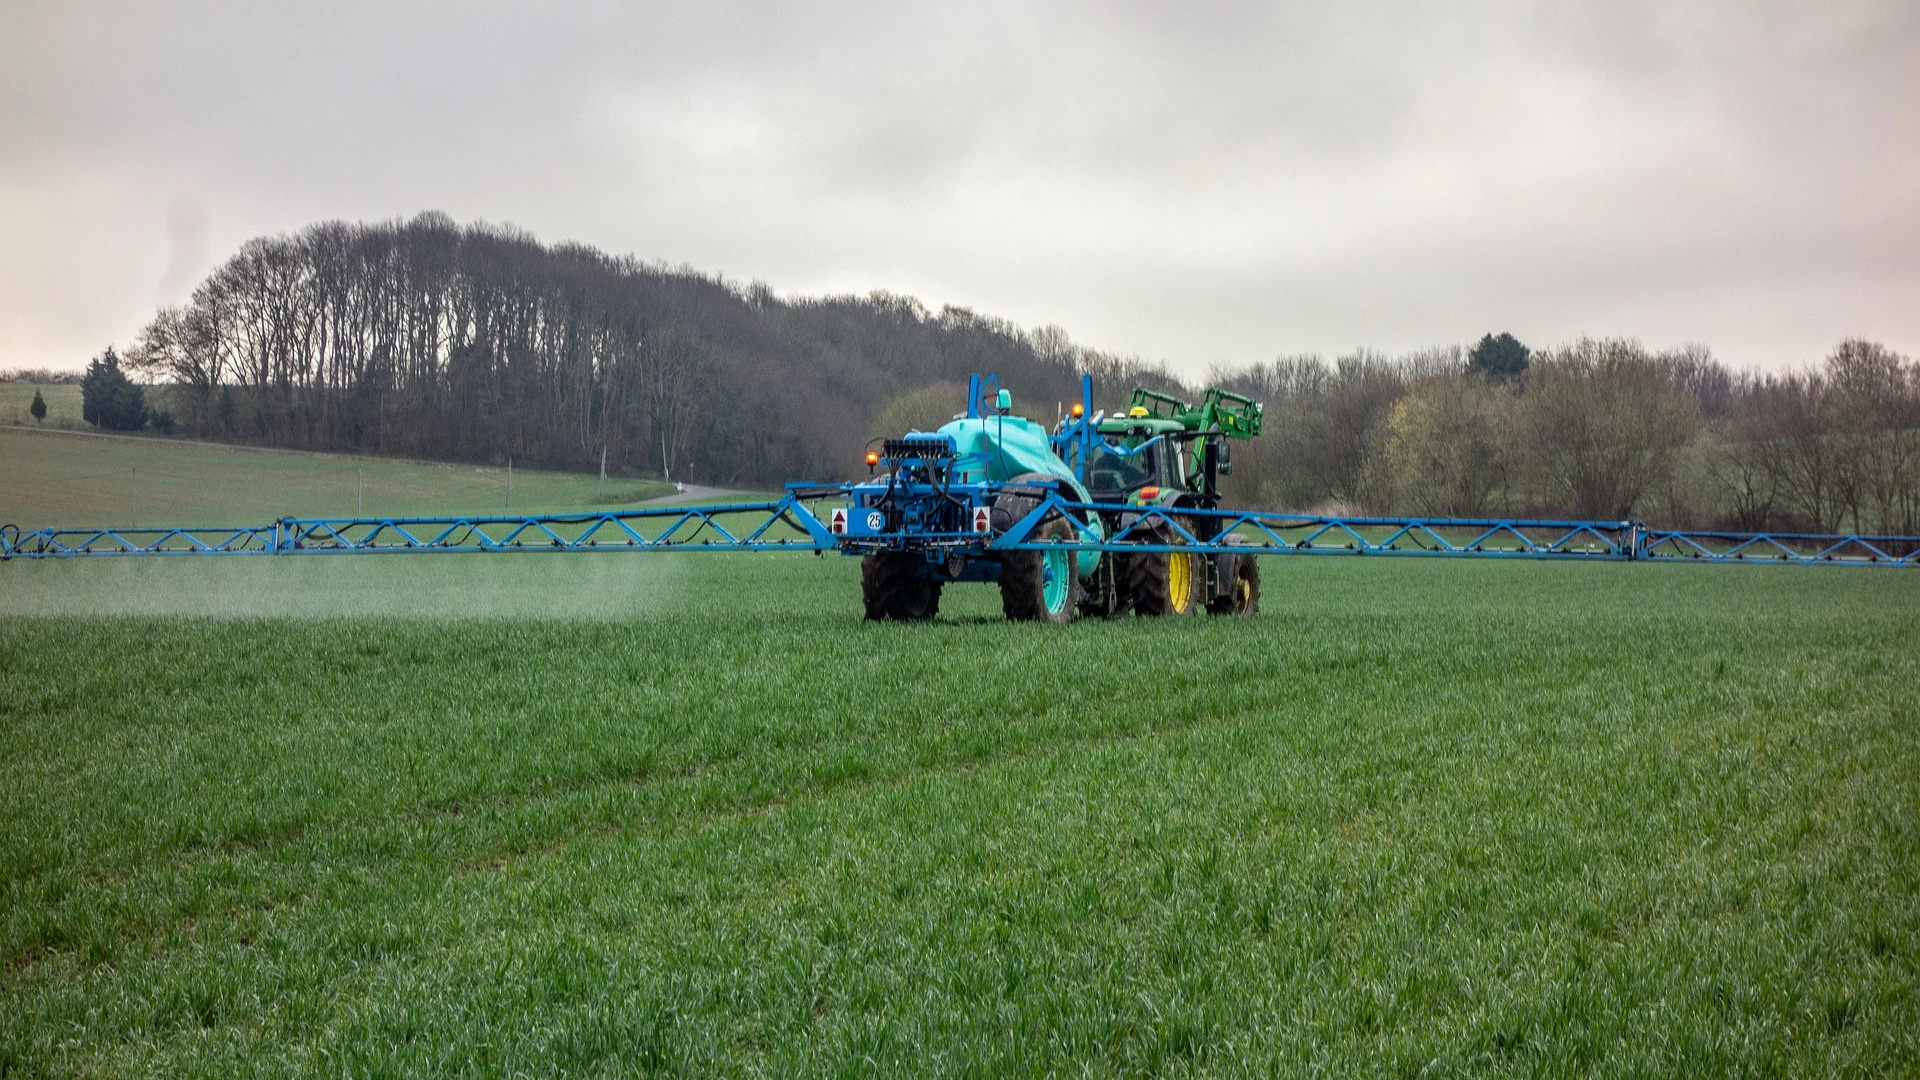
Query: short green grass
[
  {"x": 683, "y": 814},
  {"x": 59, "y": 479}
]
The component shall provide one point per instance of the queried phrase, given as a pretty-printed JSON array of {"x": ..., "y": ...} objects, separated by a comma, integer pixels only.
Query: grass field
[
  {"x": 82, "y": 480},
  {"x": 603, "y": 814},
  {"x": 63, "y": 404}
]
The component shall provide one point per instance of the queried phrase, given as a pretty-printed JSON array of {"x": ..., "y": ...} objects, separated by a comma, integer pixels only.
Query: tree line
[
  {"x": 431, "y": 339},
  {"x": 1596, "y": 429}
]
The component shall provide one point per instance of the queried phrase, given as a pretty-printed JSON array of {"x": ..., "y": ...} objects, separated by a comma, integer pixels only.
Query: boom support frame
[{"x": 791, "y": 523}]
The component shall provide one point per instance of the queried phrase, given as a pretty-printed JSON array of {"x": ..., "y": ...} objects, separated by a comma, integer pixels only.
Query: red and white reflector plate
[
  {"x": 837, "y": 524},
  {"x": 982, "y": 519}
]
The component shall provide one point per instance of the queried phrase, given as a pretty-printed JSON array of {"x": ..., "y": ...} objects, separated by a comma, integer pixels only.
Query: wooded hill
[{"x": 430, "y": 339}]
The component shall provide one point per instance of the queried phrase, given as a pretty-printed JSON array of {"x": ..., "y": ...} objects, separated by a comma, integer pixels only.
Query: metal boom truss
[{"x": 790, "y": 524}]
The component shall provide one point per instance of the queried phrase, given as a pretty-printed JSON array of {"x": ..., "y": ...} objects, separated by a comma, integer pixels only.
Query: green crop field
[
  {"x": 609, "y": 813},
  {"x": 53, "y": 478}
]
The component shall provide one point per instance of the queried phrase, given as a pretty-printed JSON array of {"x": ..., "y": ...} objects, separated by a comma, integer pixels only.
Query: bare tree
[
  {"x": 1447, "y": 451},
  {"x": 1601, "y": 422},
  {"x": 1785, "y": 428},
  {"x": 1748, "y": 489},
  {"x": 1873, "y": 405},
  {"x": 675, "y": 377}
]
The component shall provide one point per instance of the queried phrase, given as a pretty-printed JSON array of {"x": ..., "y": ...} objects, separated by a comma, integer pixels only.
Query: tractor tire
[
  {"x": 890, "y": 589},
  {"x": 1035, "y": 586},
  {"x": 1239, "y": 578},
  {"x": 1164, "y": 582}
]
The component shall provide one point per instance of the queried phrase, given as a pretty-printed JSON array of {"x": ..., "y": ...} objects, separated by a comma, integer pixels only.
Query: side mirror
[{"x": 1003, "y": 400}]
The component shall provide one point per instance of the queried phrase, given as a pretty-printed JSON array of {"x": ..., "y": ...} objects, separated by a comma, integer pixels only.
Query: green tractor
[{"x": 1161, "y": 451}]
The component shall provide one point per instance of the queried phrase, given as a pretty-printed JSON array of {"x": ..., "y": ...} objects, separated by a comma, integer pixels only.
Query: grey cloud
[{"x": 1194, "y": 182}]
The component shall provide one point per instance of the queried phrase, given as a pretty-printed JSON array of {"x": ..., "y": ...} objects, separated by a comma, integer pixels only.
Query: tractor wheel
[
  {"x": 1164, "y": 582},
  {"x": 1035, "y": 585},
  {"x": 891, "y": 590},
  {"x": 1239, "y": 578}
]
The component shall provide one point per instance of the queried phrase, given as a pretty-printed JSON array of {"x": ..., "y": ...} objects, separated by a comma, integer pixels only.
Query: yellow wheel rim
[{"x": 1180, "y": 582}]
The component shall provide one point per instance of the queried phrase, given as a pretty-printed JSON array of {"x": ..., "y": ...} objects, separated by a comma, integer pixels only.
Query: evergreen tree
[
  {"x": 108, "y": 399},
  {"x": 1500, "y": 357},
  {"x": 39, "y": 406}
]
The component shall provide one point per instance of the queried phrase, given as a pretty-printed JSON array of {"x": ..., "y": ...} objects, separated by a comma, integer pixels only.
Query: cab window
[{"x": 1113, "y": 473}]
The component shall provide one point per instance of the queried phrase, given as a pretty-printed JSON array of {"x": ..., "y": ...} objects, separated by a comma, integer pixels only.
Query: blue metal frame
[
  {"x": 1261, "y": 532},
  {"x": 1075, "y": 441},
  {"x": 757, "y": 526},
  {"x": 1801, "y": 549},
  {"x": 730, "y": 527}
]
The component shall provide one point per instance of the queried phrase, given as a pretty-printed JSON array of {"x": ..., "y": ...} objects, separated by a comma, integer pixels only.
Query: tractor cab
[
  {"x": 1162, "y": 449},
  {"x": 1135, "y": 454}
]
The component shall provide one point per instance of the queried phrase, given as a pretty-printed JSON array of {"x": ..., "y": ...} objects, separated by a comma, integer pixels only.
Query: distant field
[
  {"x": 613, "y": 813},
  {"x": 60, "y": 479},
  {"x": 63, "y": 404}
]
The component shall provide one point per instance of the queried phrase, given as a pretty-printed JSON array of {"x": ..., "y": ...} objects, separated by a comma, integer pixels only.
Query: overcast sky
[{"x": 1188, "y": 182}]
